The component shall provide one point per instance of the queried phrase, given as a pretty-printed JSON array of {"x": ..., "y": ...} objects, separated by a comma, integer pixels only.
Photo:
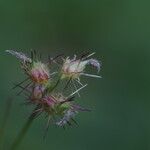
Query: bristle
[{"x": 24, "y": 88}]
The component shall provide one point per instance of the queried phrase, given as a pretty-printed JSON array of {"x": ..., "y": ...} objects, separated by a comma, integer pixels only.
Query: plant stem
[
  {"x": 23, "y": 132},
  {"x": 58, "y": 81},
  {"x": 5, "y": 120}
]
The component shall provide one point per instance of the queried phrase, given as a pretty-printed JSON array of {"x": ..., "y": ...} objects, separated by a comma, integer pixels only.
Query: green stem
[
  {"x": 5, "y": 120},
  {"x": 51, "y": 89},
  {"x": 58, "y": 81},
  {"x": 23, "y": 132}
]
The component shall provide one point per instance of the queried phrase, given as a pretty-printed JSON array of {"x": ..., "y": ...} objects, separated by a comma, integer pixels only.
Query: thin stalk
[
  {"x": 23, "y": 132},
  {"x": 5, "y": 120},
  {"x": 54, "y": 86}
]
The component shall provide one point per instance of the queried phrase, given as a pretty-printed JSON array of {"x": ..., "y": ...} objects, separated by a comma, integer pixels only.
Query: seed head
[
  {"x": 39, "y": 73},
  {"x": 37, "y": 92},
  {"x": 47, "y": 92},
  {"x": 74, "y": 68}
]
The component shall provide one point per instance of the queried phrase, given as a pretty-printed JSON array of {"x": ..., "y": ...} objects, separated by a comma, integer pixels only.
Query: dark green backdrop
[{"x": 119, "y": 31}]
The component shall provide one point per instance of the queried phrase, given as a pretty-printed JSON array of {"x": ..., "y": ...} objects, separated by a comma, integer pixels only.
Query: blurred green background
[{"x": 119, "y": 32}]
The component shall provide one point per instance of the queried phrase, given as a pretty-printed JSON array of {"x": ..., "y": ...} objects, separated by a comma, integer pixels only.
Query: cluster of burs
[{"x": 51, "y": 86}]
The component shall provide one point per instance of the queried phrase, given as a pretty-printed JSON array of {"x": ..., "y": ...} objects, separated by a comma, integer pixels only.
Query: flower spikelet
[{"x": 52, "y": 88}]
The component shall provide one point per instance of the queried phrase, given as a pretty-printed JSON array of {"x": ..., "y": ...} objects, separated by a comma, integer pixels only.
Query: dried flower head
[
  {"x": 39, "y": 72},
  {"x": 37, "y": 92},
  {"x": 44, "y": 90},
  {"x": 74, "y": 68}
]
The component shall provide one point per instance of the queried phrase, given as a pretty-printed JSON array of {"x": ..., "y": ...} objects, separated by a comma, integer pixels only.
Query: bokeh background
[{"x": 119, "y": 32}]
